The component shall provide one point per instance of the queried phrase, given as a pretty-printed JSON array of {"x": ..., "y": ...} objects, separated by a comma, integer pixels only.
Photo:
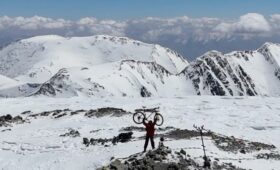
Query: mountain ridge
[{"x": 118, "y": 66}]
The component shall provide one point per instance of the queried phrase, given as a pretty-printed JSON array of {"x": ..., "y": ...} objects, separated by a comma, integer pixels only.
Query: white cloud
[
  {"x": 275, "y": 21},
  {"x": 275, "y": 18},
  {"x": 32, "y": 23},
  {"x": 251, "y": 23},
  {"x": 177, "y": 31},
  {"x": 87, "y": 21},
  {"x": 151, "y": 28}
]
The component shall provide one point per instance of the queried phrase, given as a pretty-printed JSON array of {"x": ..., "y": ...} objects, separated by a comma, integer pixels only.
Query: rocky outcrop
[
  {"x": 106, "y": 111},
  {"x": 213, "y": 74},
  {"x": 72, "y": 133},
  {"x": 163, "y": 158},
  {"x": 240, "y": 73},
  {"x": 122, "y": 137},
  {"x": 8, "y": 120},
  {"x": 61, "y": 84}
]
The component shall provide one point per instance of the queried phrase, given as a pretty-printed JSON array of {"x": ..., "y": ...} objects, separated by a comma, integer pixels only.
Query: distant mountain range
[{"x": 117, "y": 66}]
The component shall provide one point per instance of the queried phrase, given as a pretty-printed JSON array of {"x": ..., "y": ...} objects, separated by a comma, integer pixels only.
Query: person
[
  {"x": 150, "y": 132},
  {"x": 160, "y": 144}
]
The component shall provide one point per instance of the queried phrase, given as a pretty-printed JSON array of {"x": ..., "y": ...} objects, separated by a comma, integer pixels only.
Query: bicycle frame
[
  {"x": 146, "y": 114},
  {"x": 151, "y": 111},
  {"x": 149, "y": 115}
]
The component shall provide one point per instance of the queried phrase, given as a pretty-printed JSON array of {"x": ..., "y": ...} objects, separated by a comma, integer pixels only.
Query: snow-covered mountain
[
  {"x": 126, "y": 78},
  {"x": 237, "y": 73},
  {"x": 39, "y": 58},
  {"x": 95, "y": 84},
  {"x": 117, "y": 66},
  {"x": 82, "y": 65}
]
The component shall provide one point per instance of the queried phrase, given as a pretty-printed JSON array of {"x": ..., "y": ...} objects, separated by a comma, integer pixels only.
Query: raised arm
[
  {"x": 144, "y": 122},
  {"x": 155, "y": 120}
]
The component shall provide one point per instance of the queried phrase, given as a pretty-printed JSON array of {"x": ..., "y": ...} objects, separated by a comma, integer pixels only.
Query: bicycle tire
[
  {"x": 159, "y": 118},
  {"x": 138, "y": 117}
]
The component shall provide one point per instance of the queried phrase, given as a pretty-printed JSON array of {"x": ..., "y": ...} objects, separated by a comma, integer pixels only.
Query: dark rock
[
  {"x": 116, "y": 165},
  {"x": 108, "y": 111},
  {"x": 86, "y": 141},
  {"x": 154, "y": 160},
  {"x": 60, "y": 115},
  {"x": 182, "y": 151},
  {"x": 234, "y": 145},
  {"x": 72, "y": 133},
  {"x": 93, "y": 141},
  {"x": 26, "y": 112},
  {"x": 94, "y": 131},
  {"x": 4, "y": 130},
  {"x": 165, "y": 128},
  {"x": 184, "y": 134},
  {"x": 8, "y": 117},
  {"x": 7, "y": 120},
  {"x": 271, "y": 155},
  {"x": 56, "y": 112},
  {"x": 133, "y": 128},
  {"x": 242, "y": 151},
  {"x": 77, "y": 112},
  {"x": 144, "y": 92},
  {"x": 46, "y": 113},
  {"x": 18, "y": 119},
  {"x": 124, "y": 137}
]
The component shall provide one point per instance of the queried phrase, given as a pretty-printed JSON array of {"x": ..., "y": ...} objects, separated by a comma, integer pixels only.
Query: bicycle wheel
[
  {"x": 159, "y": 119},
  {"x": 138, "y": 117}
]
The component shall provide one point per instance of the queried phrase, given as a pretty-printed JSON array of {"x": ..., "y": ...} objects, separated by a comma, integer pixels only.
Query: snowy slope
[
  {"x": 80, "y": 75},
  {"x": 5, "y": 81},
  {"x": 272, "y": 52},
  {"x": 12, "y": 88},
  {"x": 126, "y": 78},
  {"x": 37, "y": 59},
  {"x": 37, "y": 144},
  {"x": 117, "y": 66},
  {"x": 237, "y": 73}
]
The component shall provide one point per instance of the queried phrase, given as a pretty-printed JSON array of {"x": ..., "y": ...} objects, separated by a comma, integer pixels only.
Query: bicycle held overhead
[{"x": 140, "y": 115}]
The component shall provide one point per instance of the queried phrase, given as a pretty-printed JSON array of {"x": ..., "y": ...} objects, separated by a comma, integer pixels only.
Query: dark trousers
[{"x": 147, "y": 141}]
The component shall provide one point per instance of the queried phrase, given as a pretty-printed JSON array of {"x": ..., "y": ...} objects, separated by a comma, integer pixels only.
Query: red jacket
[{"x": 150, "y": 129}]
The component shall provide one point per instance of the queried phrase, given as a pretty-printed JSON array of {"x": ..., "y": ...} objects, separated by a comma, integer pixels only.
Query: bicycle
[{"x": 140, "y": 115}]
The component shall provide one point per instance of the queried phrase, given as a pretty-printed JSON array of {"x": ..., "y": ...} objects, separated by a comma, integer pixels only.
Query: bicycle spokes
[
  {"x": 140, "y": 117},
  {"x": 156, "y": 117}
]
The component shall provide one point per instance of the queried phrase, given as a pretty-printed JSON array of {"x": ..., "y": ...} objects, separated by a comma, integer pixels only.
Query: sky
[
  {"x": 190, "y": 27},
  {"x": 131, "y": 9}
]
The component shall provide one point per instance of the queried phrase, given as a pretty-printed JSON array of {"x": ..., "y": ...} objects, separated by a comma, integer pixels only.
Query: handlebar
[{"x": 156, "y": 109}]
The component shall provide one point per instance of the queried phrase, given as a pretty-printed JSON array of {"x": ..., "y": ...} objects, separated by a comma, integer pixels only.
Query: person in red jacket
[{"x": 150, "y": 132}]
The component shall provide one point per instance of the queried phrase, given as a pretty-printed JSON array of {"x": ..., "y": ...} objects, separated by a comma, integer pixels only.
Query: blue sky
[{"x": 131, "y": 9}]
